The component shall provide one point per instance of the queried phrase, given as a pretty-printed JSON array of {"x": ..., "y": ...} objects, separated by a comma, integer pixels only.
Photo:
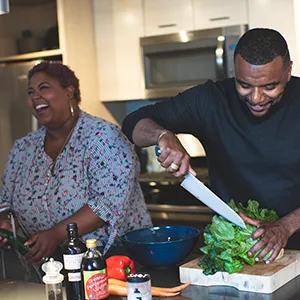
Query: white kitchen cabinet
[
  {"x": 219, "y": 13},
  {"x": 282, "y": 16},
  {"x": 118, "y": 28},
  {"x": 167, "y": 16},
  {"x": 37, "y": 18},
  {"x": 74, "y": 19}
]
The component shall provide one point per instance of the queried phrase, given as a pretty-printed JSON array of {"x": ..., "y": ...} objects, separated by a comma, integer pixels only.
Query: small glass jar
[{"x": 139, "y": 286}]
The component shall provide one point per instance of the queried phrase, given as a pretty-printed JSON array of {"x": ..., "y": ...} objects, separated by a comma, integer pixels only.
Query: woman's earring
[{"x": 71, "y": 109}]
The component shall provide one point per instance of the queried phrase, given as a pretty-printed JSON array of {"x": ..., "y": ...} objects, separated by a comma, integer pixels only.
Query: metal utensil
[{"x": 205, "y": 195}]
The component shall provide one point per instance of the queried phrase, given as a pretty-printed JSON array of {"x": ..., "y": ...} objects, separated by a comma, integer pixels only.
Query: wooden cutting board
[{"x": 260, "y": 278}]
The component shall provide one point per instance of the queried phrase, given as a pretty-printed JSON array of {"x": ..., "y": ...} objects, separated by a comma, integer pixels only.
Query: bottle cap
[
  {"x": 138, "y": 277},
  {"x": 72, "y": 226},
  {"x": 92, "y": 243},
  {"x": 52, "y": 269}
]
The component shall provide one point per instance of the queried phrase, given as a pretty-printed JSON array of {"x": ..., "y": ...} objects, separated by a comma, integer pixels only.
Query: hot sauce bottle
[{"x": 94, "y": 273}]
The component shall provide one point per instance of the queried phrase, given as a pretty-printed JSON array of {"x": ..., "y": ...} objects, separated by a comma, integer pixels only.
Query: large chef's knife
[{"x": 205, "y": 195}]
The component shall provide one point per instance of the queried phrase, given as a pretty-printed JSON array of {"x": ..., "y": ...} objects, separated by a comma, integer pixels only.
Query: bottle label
[
  {"x": 73, "y": 262},
  {"x": 139, "y": 291},
  {"x": 74, "y": 277},
  {"x": 95, "y": 284}
]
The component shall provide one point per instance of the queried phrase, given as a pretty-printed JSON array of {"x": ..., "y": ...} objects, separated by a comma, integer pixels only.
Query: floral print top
[{"x": 98, "y": 167}]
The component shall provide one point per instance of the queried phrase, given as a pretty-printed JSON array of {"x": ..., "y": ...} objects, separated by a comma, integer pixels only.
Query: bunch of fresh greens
[{"x": 227, "y": 245}]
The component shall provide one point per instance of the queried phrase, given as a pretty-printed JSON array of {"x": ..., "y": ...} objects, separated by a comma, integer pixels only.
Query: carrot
[
  {"x": 175, "y": 289},
  {"x": 112, "y": 281},
  {"x": 117, "y": 290},
  {"x": 163, "y": 294},
  {"x": 122, "y": 291},
  {"x": 156, "y": 291}
]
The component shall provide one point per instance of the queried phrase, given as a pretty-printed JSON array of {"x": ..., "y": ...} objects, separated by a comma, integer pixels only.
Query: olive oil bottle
[{"x": 74, "y": 250}]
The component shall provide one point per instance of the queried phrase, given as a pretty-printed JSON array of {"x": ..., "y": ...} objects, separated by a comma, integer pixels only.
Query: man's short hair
[{"x": 260, "y": 46}]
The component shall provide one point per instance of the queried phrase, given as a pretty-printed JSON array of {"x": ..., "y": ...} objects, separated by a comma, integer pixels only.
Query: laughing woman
[{"x": 74, "y": 168}]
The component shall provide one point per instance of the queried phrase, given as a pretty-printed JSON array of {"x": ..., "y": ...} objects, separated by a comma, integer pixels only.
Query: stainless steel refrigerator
[
  {"x": 15, "y": 117},
  {"x": 15, "y": 122}
]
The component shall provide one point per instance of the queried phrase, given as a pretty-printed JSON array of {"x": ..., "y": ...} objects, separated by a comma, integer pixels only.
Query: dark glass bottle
[
  {"x": 94, "y": 273},
  {"x": 74, "y": 250},
  {"x": 17, "y": 244}
]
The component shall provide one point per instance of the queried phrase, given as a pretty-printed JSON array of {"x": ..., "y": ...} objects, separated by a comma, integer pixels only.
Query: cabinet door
[
  {"x": 282, "y": 18},
  {"x": 77, "y": 43},
  {"x": 118, "y": 27},
  {"x": 167, "y": 16},
  {"x": 219, "y": 13}
]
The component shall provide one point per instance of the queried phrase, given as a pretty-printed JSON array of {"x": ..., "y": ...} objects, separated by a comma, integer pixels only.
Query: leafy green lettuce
[{"x": 227, "y": 245}]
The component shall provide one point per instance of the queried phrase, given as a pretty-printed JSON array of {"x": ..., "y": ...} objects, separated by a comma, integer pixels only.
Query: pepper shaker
[{"x": 53, "y": 279}]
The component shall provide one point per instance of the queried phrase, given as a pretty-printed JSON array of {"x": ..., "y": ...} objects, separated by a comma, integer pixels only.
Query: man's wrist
[
  {"x": 290, "y": 223},
  {"x": 164, "y": 132}
]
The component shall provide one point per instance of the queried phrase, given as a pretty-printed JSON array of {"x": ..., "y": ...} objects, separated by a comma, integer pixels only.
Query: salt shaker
[{"x": 53, "y": 279}]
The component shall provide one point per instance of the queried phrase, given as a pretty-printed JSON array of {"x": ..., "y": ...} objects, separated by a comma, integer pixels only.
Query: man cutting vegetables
[{"x": 249, "y": 127}]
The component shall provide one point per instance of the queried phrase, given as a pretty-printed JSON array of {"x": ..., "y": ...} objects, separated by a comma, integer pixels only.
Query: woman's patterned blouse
[{"x": 98, "y": 167}]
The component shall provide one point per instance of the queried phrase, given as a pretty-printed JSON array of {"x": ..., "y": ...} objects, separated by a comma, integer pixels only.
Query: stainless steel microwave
[{"x": 176, "y": 62}]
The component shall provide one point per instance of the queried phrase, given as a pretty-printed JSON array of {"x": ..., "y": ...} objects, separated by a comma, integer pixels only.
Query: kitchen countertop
[{"x": 167, "y": 277}]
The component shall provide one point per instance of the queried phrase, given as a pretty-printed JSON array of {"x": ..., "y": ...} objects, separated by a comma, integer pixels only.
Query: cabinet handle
[
  {"x": 219, "y": 19},
  {"x": 167, "y": 25}
]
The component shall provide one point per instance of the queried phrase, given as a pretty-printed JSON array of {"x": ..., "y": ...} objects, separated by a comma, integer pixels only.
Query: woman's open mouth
[{"x": 41, "y": 108}]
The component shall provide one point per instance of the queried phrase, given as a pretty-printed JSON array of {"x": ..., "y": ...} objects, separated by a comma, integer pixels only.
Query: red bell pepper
[{"x": 119, "y": 266}]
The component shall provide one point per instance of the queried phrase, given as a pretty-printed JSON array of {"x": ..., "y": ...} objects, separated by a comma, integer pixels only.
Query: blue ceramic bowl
[{"x": 160, "y": 246}]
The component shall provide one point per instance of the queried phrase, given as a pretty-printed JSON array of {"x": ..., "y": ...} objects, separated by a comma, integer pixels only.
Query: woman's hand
[
  {"x": 4, "y": 224},
  {"x": 43, "y": 244},
  {"x": 273, "y": 236},
  {"x": 173, "y": 157}
]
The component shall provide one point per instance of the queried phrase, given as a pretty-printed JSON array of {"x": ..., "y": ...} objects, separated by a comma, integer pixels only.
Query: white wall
[
  {"x": 279, "y": 15},
  {"x": 297, "y": 32}
]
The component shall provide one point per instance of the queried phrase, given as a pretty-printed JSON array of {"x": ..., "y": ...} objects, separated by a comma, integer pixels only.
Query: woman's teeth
[{"x": 41, "y": 107}]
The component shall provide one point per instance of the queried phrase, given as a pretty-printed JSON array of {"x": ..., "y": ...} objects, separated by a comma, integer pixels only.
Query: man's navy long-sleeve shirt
[{"x": 249, "y": 157}]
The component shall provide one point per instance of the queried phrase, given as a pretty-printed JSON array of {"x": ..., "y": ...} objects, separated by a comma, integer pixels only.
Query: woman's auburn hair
[{"x": 61, "y": 72}]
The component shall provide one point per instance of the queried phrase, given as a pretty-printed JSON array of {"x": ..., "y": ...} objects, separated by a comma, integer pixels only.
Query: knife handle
[{"x": 157, "y": 151}]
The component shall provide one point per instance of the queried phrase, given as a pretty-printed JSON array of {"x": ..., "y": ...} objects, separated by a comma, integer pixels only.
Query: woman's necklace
[
  {"x": 61, "y": 149},
  {"x": 51, "y": 169}
]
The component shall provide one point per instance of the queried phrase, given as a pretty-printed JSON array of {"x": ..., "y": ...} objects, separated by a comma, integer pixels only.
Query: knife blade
[{"x": 206, "y": 196}]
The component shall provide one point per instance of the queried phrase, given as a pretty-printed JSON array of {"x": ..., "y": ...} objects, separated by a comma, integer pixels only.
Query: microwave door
[
  {"x": 172, "y": 66},
  {"x": 220, "y": 61}
]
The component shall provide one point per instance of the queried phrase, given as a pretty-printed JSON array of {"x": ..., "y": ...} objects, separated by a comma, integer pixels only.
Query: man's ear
[{"x": 290, "y": 68}]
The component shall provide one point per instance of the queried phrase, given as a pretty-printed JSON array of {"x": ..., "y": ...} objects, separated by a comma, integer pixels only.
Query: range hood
[{"x": 4, "y": 7}]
